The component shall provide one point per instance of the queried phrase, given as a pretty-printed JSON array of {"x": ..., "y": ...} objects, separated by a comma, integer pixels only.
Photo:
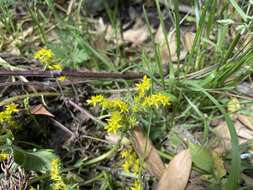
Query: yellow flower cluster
[
  {"x": 156, "y": 100},
  {"x": 123, "y": 113},
  {"x": 56, "y": 176},
  {"x": 114, "y": 123},
  {"x": 46, "y": 57},
  {"x": 4, "y": 156},
  {"x": 143, "y": 86},
  {"x": 98, "y": 99},
  {"x": 7, "y": 114},
  {"x": 118, "y": 106},
  {"x": 136, "y": 186},
  {"x": 131, "y": 161}
]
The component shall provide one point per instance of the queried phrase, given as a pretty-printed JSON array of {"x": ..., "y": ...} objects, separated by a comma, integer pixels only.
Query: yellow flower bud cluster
[
  {"x": 119, "y": 110},
  {"x": 47, "y": 58},
  {"x": 55, "y": 175},
  {"x": 131, "y": 161},
  {"x": 44, "y": 55},
  {"x": 6, "y": 116}
]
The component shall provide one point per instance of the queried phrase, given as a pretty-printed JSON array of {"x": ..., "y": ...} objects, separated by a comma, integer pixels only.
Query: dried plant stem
[{"x": 72, "y": 73}]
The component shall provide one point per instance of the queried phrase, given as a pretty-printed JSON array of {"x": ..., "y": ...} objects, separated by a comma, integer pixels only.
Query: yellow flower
[
  {"x": 143, "y": 86},
  {"x": 4, "y": 156},
  {"x": 156, "y": 100},
  {"x": 125, "y": 153},
  {"x": 56, "y": 67},
  {"x": 62, "y": 78},
  {"x": 117, "y": 104},
  {"x": 60, "y": 185},
  {"x": 131, "y": 161},
  {"x": 136, "y": 167},
  {"x": 11, "y": 108},
  {"x": 136, "y": 186},
  {"x": 94, "y": 100},
  {"x": 126, "y": 166},
  {"x": 55, "y": 170},
  {"x": 44, "y": 55},
  {"x": 113, "y": 123}
]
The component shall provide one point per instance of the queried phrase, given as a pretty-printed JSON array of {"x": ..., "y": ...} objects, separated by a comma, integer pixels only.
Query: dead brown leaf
[
  {"x": 188, "y": 40},
  {"x": 146, "y": 150},
  {"x": 136, "y": 35},
  {"x": 172, "y": 42},
  {"x": 246, "y": 120},
  {"x": 40, "y": 110},
  {"x": 176, "y": 175},
  {"x": 243, "y": 126}
]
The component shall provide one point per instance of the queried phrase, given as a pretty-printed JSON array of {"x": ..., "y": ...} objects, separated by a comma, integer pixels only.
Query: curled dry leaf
[
  {"x": 176, "y": 175},
  {"x": 146, "y": 150},
  {"x": 40, "y": 110}
]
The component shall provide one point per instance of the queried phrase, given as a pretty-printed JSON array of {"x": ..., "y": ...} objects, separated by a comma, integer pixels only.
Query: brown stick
[{"x": 72, "y": 73}]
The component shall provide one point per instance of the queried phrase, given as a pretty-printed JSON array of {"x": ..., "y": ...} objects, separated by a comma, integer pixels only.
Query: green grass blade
[
  {"x": 239, "y": 10},
  {"x": 234, "y": 174}
]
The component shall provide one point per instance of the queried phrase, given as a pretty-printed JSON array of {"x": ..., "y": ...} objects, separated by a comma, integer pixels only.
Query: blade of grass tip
[
  {"x": 51, "y": 7},
  {"x": 98, "y": 55},
  {"x": 230, "y": 50},
  {"x": 112, "y": 14},
  {"x": 235, "y": 67},
  {"x": 177, "y": 23},
  {"x": 157, "y": 50},
  {"x": 35, "y": 20},
  {"x": 234, "y": 173},
  {"x": 197, "y": 11},
  {"x": 171, "y": 68},
  {"x": 201, "y": 115},
  {"x": 197, "y": 39},
  {"x": 239, "y": 10},
  {"x": 211, "y": 17},
  {"x": 150, "y": 71}
]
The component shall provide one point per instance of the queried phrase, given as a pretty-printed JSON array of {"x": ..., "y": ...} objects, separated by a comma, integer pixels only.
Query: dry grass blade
[
  {"x": 146, "y": 150},
  {"x": 176, "y": 175}
]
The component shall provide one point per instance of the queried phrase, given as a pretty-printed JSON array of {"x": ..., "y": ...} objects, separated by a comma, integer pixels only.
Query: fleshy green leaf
[
  {"x": 201, "y": 157},
  {"x": 37, "y": 161}
]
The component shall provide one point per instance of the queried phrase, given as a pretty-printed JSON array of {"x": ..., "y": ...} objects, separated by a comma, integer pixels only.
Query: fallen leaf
[
  {"x": 40, "y": 110},
  {"x": 146, "y": 150},
  {"x": 246, "y": 120},
  {"x": 176, "y": 175},
  {"x": 137, "y": 35},
  {"x": 243, "y": 126},
  {"x": 188, "y": 40},
  {"x": 172, "y": 42}
]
